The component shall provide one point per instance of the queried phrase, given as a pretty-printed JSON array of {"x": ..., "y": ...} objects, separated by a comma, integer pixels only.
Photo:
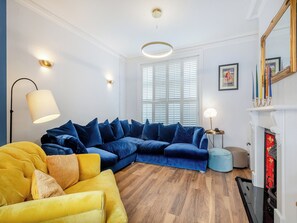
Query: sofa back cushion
[
  {"x": 117, "y": 129},
  {"x": 106, "y": 132},
  {"x": 126, "y": 127},
  {"x": 183, "y": 134},
  {"x": 66, "y": 129},
  {"x": 150, "y": 131},
  {"x": 17, "y": 164},
  {"x": 89, "y": 135},
  {"x": 166, "y": 132},
  {"x": 136, "y": 129}
]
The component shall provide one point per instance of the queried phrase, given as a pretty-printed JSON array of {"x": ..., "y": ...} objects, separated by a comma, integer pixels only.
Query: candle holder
[
  {"x": 257, "y": 102},
  {"x": 268, "y": 101}
]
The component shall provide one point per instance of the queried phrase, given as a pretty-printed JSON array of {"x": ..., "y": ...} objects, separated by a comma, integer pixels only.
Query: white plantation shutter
[
  {"x": 147, "y": 83},
  {"x": 160, "y": 81},
  {"x": 170, "y": 92}
]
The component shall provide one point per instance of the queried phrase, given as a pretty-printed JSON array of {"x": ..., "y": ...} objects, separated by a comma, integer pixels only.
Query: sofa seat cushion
[
  {"x": 185, "y": 150},
  {"x": 136, "y": 141},
  {"x": 105, "y": 181},
  {"x": 152, "y": 147},
  {"x": 107, "y": 159},
  {"x": 121, "y": 149}
]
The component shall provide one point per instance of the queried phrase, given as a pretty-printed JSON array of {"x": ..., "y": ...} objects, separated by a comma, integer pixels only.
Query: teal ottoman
[{"x": 220, "y": 160}]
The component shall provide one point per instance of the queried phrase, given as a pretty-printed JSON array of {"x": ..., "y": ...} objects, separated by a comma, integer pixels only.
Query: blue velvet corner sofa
[{"x": 120, "y": 143}]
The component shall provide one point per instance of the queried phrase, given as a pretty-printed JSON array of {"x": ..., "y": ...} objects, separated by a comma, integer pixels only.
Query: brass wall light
[
  {"x": 46, "y": 63},
  {"x": 110, "y": 82}
]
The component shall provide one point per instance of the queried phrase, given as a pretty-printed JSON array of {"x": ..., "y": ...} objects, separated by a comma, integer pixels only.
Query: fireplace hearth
[{"x": 254, "y": 200}]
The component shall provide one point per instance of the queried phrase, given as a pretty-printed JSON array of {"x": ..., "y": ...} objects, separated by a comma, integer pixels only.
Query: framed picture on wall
[
  {"x": 228, "y": 77},
  {"x": 274, "y": 64}
]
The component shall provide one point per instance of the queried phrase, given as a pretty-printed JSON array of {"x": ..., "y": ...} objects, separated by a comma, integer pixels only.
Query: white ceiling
[{"x": 125, "y": 25}]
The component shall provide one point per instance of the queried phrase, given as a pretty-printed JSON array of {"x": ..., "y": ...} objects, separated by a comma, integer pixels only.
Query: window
[{"x": 170, "y": 91}]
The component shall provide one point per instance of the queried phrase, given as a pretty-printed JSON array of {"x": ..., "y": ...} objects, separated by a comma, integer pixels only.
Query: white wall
[
  {"x": 284, "y": 91},
  {"x": 77, "y": 80},
  {"x": 231, "y": 105}
]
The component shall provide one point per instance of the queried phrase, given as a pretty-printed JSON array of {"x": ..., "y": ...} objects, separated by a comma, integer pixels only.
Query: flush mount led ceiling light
[{"x": 164, "y": 49}]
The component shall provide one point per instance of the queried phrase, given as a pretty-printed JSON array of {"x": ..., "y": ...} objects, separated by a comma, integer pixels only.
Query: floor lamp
[{"x": 41, "y": 103}]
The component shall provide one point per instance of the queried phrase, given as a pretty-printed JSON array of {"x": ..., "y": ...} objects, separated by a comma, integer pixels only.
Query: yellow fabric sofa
[{"x": 95, "y": 198}]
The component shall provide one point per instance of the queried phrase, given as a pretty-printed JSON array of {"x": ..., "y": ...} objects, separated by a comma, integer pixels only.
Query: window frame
[{"x": 181, "y": 101}]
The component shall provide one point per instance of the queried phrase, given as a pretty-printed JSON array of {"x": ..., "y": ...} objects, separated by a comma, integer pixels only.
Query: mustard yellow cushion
[
  {"x": 89, "y": 166},
  {"x": 44, "y": 186},
  {"x": 64, "y": 168}
]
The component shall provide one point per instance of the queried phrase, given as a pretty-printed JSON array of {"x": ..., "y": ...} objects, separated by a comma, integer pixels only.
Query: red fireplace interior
[{"x": 270, "y": 170}]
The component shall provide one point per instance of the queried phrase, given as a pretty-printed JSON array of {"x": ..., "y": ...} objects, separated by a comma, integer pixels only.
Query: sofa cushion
[
  {"x": 107, "y": 159},
  {"x": 106, "y": 132},
  {"x": 117, "y": 129},
  {"x": 105, "y": 181},
  {"x": 183, "y": 135},
  {"x": 71, "y": 142},
  {"x": 133, "y": 140},
  {"x": 66, "y": 129},
  {"x": 185, "y": 150},
  {"x": 136, "y": 129},
  {"x": 152, "y": 147},
  {"x": 166, "y": 132},
  {"x": 150, "y": 131},
  {"x": 198, "y": 133},
  {"x": 120, "y": 148},
  {"x": 89, "y": 135},
  {"x": 44, "y": 186},
  {"x": 64, "y": 168},
  {"x": 125, "y": 127}
]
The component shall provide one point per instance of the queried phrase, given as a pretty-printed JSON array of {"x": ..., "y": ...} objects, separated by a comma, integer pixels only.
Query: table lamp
[
  {"x": 41, "y": 103},
  {"x": 210, "y": 113}
]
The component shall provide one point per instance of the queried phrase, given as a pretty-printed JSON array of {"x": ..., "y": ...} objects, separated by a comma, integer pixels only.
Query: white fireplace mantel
[{"x": 281, "y": 120}]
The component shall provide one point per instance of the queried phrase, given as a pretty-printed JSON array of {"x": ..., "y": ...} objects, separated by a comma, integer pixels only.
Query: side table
[{"x": 213, "y": 133}]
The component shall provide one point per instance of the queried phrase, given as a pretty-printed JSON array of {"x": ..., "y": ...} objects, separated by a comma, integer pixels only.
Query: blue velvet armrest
[
  {"x": 204, "y": 142},
  {"x": 55, "y": 149}
]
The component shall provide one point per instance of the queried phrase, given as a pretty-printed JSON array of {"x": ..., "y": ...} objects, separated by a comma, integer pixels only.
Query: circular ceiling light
[
  {"x": 167, "y": 52},
  {"x": 157, "y": 49}
]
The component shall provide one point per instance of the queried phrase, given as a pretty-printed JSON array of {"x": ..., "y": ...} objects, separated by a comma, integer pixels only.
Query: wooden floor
[{"x": 156, "y": 194}]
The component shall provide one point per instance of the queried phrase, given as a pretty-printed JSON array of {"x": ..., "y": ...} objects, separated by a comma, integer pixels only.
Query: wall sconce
[
  {"x": 110, "y": 82},
  {"x": 46, "y": 63}
]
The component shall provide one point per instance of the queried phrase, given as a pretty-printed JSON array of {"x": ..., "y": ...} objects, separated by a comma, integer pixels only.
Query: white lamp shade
[
  {"x": 210, "y": 113},
  {"x": 42, "y": 106}
]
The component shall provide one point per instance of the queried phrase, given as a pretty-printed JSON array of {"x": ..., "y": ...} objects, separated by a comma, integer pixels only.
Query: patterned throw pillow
[{"x": 44, "y": 186}]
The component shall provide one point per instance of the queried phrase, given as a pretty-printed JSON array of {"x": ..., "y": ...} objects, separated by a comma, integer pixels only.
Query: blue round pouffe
[{"x": 220, "y": 160}]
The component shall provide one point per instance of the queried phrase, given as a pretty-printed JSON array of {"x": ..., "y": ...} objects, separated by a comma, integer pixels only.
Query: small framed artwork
[
  {"x": 228, "y": 77},
  {"x": 274, "y": 64}
]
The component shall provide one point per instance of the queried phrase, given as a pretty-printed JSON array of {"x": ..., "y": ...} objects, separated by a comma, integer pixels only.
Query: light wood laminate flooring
[{"x": 157, "y": 194}]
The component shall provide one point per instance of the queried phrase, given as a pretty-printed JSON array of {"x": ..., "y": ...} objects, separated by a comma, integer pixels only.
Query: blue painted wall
[{"x": 3, "y": 72}]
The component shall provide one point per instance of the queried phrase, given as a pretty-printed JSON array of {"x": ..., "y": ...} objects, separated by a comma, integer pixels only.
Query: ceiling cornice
[{"x": 65, "y": 24}]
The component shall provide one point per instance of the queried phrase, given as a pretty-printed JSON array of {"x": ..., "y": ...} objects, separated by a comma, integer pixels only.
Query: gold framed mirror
[{"x": 279, "y": 42}]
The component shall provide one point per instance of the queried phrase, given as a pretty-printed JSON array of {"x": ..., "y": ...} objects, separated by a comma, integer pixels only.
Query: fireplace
[{"x": 280, "y": 181}]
